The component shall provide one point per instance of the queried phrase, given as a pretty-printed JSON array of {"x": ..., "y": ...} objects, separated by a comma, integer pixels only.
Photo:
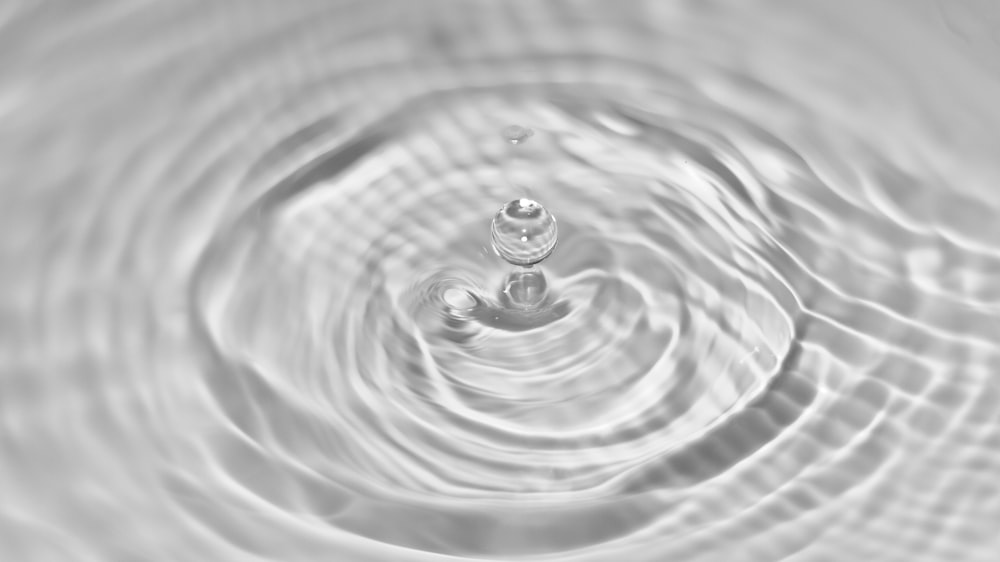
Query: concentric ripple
[
  {"x": 666, "y": 324},
  {"x": 255, "y": 314}
]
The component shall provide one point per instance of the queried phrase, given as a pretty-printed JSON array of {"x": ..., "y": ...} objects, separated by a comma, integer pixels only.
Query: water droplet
[
  {"x": 524, "y": 233},
  {"x": 516, "y": 134}
]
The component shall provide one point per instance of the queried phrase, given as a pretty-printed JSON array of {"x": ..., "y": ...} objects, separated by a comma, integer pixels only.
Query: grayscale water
[{"x": 250, "y": 308}]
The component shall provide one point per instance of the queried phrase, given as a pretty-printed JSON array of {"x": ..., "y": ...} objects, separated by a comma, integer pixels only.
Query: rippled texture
[{"x": 251, "y": 312}]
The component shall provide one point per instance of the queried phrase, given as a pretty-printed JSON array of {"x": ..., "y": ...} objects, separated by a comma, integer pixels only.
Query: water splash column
[{"x": 524, "y": 233}]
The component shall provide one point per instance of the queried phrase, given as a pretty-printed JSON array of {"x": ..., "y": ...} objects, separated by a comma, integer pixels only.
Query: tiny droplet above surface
[
  {"x": 523, "y": 232},
  {"x": 516, "y": 134}
]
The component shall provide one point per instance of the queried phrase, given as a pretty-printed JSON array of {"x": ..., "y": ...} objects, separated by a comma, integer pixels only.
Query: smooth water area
[{"x": 256, "y": 304}]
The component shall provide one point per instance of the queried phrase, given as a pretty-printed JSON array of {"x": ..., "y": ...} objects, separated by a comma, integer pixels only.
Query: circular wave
[{"x": 767, "y": 332}]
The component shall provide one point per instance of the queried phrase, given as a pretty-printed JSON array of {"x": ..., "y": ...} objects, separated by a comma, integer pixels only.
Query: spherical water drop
[
  {"x": 516, "y": 134},
  {"x": 524, "y": 233}
]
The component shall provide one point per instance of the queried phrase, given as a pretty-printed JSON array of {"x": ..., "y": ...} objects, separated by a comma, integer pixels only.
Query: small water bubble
[
  {"x": 516, "y": 134},
  {"x": 458, "y": 299},
  {"x": 524, "y": 233}
]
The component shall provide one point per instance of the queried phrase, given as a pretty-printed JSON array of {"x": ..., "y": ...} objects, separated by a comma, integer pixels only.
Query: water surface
[{"x": 231, "y": 240}]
